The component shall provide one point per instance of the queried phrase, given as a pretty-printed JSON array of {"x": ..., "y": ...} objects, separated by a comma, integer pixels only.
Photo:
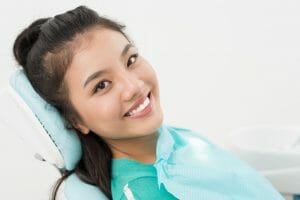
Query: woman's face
[{"x": 114, "y": 90}]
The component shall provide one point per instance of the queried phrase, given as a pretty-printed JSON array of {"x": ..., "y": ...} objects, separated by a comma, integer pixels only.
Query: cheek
[
  {"x": 108, "y": 110},
  {"x": 104, "y": 109}
]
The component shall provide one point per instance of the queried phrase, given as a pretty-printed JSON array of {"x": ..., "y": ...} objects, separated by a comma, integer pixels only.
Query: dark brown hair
[{"x": 45, "y": 50}]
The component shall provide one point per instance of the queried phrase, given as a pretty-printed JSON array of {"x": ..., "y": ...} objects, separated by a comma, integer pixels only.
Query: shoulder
[
  {"x": 145, "y": 188},
  {"x": 130, "y": 172},
  {"x": 134, "y": 180}
]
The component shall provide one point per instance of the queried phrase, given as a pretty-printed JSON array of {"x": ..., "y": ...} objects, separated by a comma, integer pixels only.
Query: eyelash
[
  {"x": 135, "y": 56},
  {"x": 98, "y": 84}
]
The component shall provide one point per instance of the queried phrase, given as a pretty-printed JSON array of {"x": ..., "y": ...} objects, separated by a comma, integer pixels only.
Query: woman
[{"x": 86, "y": 66}]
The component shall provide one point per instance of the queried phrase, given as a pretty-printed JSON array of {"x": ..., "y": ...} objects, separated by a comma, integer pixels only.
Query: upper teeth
[{"x": 141, "y": 107}]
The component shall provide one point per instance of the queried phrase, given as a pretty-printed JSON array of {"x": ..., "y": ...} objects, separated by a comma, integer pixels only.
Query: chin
[
  {"x": 154, "y": 125},
  {"x": 146, "y": 128}
]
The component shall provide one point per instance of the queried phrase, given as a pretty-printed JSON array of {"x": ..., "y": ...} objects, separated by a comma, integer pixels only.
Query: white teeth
[{"x": 141, "y": 107}]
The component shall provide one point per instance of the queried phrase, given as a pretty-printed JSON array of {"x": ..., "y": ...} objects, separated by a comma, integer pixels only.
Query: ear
[{"x": 82, "y": 128}]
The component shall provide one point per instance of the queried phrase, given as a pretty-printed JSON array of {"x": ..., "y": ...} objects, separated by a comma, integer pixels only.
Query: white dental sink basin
[{"x": 274, "y": 151}]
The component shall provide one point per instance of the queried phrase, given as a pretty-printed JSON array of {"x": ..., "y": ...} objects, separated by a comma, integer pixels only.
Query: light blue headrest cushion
[{"x": 66, "y": 140}]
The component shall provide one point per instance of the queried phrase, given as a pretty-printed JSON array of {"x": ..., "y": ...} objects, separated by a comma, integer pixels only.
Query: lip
[{"x": 137, "y": 103}]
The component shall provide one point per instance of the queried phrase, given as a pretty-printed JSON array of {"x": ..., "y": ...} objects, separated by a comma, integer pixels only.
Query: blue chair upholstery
[{"x": 51, "y": 132}]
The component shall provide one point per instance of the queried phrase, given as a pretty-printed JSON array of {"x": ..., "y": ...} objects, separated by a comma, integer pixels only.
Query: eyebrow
[
  {"x": 93, "y": 76},
  {"x": 100, "y": 72},
  {"x": 126, "y": 48}
]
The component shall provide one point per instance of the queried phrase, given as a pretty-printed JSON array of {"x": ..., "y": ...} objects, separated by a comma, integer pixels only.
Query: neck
[{"x": 142, "y": 149}]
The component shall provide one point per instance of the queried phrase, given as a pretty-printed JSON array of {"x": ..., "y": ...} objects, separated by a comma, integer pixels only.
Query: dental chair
[
  {"x": 273, "y": 151},
  {"x": 41, "y": 127}
]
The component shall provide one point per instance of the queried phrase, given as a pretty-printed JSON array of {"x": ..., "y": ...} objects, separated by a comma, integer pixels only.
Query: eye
[
  {"x": 132, "y": 59},
  {"x": 101, "y": 85}
]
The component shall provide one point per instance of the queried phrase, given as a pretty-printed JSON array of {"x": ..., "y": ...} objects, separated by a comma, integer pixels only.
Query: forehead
[
  {"x": 100, "y": 42},
  {"x": 98, "y": 47},
  {"x": 95, "y": 50}
]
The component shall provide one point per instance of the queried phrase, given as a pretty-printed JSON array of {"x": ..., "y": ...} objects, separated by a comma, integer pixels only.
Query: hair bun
[{"x": 26, "y": 40}]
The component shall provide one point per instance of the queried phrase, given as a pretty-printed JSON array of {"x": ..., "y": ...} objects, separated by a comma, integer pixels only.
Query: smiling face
[{"x": 113, "y": 89}]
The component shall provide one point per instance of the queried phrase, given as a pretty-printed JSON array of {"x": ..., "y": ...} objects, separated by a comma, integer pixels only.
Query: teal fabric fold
[
  {"x": 140, "y": 178},
  {"x": 191, "y": 167}
]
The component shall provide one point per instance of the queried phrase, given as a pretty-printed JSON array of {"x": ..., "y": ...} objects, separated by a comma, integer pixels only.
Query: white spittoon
[{"x": 273, "y": 151}]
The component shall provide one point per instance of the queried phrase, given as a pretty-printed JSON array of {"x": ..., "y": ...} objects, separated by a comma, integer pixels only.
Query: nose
[{"x": 132, "y": 87}]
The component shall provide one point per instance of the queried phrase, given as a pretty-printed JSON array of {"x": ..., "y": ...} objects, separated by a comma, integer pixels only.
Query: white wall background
[{"x": 221, "y": 65}]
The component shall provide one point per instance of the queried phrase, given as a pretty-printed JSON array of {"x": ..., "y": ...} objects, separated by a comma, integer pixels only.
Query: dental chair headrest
[{"x": 38, "y": 123}]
